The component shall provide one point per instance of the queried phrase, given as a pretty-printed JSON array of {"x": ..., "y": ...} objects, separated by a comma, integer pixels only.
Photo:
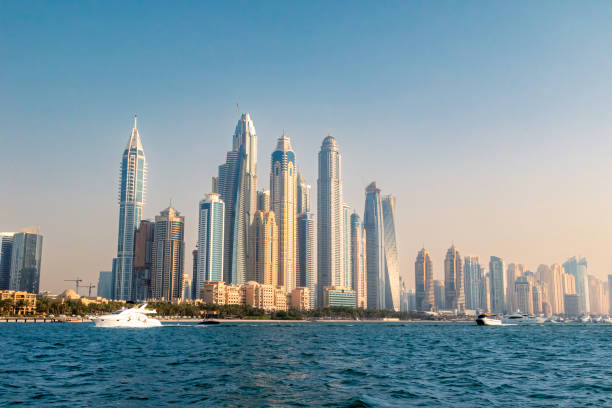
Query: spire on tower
[{"x": 135, "y": 121}]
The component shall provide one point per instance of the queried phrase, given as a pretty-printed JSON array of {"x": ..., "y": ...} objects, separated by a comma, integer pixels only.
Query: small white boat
[
  {"x": 520, "y": 318},
  {"x": 585, "y": 319},
  {"x": 137, "y": 317},
  {"x": 488, "y": 320}
]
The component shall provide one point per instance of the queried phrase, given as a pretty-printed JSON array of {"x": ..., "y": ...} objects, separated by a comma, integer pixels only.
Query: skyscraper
[
  {"x": 423, "y": 279},
  {"x": 439, "y": 292},
  {"x": 358, "y": 260},
  {"x": 6, "y": 249},
  {"x": 305, "y": 261},
  {"x": 131, "y": 201},
  {"x": 25, "y": 261},
  {"x": 211, "y": 233},
  {"x": 264, "y": 250},
  {"x": 496, "y": 275},
  {"x": 237, "y": 187},
  {"x": 472, "y": 272},
  {"x": 552, "y": 279},
  {"x": 578, "y": 268},
  {"x": 168, "y": 255},
  {"x": 375, "y": 248},
  {"x": 105, "y": 284},
  {"x": 330, "y": 256},
  {"x": 263, "y": 200},
  {"x": 512, "y": 273},
  {"x": 347, "y": 274},
  {"x": 143, "y": 256},
  {"x": 307, "y": 268},
  {"x": 523, "y": 289},
  {"x": 453, "y": 280},
  {"x": 283, "y": 200},
  {"x": 610, "y": 294},
  {"x": 392, "y": 291}
]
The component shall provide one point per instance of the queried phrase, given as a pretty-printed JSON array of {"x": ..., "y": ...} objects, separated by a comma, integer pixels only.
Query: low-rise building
[
  {"x": 23, "y": 302},
  {"x": 339, "y": 296},
  {"x": 300, "y": 298},
  {"x": 258, "y": 295}
]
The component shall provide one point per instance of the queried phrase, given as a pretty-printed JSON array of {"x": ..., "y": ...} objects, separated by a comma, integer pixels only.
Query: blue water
[{"x": 306, "y": 364}]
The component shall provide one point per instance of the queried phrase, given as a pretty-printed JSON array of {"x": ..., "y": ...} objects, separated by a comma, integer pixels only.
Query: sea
[{"x": 303, "y": 364}]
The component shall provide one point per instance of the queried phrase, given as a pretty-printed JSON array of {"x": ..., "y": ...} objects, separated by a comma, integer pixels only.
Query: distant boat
[
  {"x": 209, "y": 322},
  {"x": 488, "y": 320},
  {"x": 585, "y": 319},
  {"x": 520, "y": 318},
  {"x": 128, "y": 318}
]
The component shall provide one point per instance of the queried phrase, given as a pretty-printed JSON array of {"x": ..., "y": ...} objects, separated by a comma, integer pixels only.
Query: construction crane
[
  {"x": 76, "y": 281},
  {"x": 90, "y": 287}
]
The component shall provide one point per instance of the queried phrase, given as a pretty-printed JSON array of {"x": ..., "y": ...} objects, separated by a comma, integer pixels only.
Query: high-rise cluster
[
  {"x": 552, "y": 290},
  {"x": 270, "y": 237}
]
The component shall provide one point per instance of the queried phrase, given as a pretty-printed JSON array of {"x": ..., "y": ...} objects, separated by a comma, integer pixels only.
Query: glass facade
[
  {"x": 25, "y": 262},
  {"x": 131, "y": 202}
]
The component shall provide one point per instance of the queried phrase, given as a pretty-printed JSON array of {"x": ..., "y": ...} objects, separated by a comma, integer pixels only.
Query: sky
[{"x": 488, "y": 121}]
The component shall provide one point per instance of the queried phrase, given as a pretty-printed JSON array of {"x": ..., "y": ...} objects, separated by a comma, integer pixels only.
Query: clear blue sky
[{"x": 489, "y": 121}]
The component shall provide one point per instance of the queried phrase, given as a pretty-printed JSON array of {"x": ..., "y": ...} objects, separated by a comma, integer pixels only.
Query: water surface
[{"x": 306, "y": 364}]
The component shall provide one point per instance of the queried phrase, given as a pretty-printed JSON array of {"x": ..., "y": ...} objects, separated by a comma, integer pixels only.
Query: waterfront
[{"x": 306, "y": 364}]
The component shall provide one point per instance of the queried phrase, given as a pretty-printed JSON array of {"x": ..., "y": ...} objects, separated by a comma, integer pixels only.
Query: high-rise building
[
  {"x": 143, "y": 256},
  {"x": 496, "y": 278},
  {"x": 6, "y": 249},
  {"x": 358, "y": 260},
  {"x": 303, "y": 195},
  {"x": 132, "y": 190},
  {"x": 536, "y": 291},
  {"x": 306, "y": 260},
  {"x": 25, "y": 261},
  {"x": 330, "y": 256},
  {"x": 453, "y": 280},
  {"x": 598, "y": 298},
  {"x": 375, "y": 248},
  {"x": 423, "y": 279},
  {"x": 237, "y": 187},
  {"x": 610, "y": 294},
  {"x": 578, "y": 268},
  {"x": 264, "y": 250},
  {"x": 263, "y": 200},
  {"x": 473, "y": 276},
  {"x": 552, "y": 280},
  {"x": 439, "y": 295},
  {"x": 187, "y": 286},
  {"x": 194, "y": 274},
  {"x": 392, "y": 290},
  {"x": 306, "y": 269},
  {"x": 168, "y": 255},
  {"x": 524, "y": 294},
  {"x": 347, "y": 267},
  {"x": 105, "y": 284},
  {"x": 283, "y": 200},
  {"x": 211, "y": 240},
  {"x": 513, "y": 271}
]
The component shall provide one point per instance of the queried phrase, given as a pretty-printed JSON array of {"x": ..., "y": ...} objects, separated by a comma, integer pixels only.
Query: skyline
[{"x": 549, "y": 128}]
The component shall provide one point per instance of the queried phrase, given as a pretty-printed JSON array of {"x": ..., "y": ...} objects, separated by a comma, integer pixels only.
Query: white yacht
[
  {"x": 584, "y": 319},
  {"x": 520, "y": 318},
  {"x": 488, "y": 320},
  {"x": 128, "y": 318}
]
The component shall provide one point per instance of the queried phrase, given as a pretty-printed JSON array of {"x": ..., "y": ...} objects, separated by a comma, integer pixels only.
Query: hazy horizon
[{"x": 489, "y": 122}]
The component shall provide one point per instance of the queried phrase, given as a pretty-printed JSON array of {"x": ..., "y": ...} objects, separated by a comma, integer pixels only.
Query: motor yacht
[
  {"x": 137, "y": 317},
  {"x": 584, "y": 319},
  {"x": 488, "y": 320},
  {"x": 521, "y": 318}
]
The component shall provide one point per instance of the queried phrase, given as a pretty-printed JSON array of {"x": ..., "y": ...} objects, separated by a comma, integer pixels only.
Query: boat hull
[
  {"x": 125, "y": 324},
  {"x": 485, "y": 321}
]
